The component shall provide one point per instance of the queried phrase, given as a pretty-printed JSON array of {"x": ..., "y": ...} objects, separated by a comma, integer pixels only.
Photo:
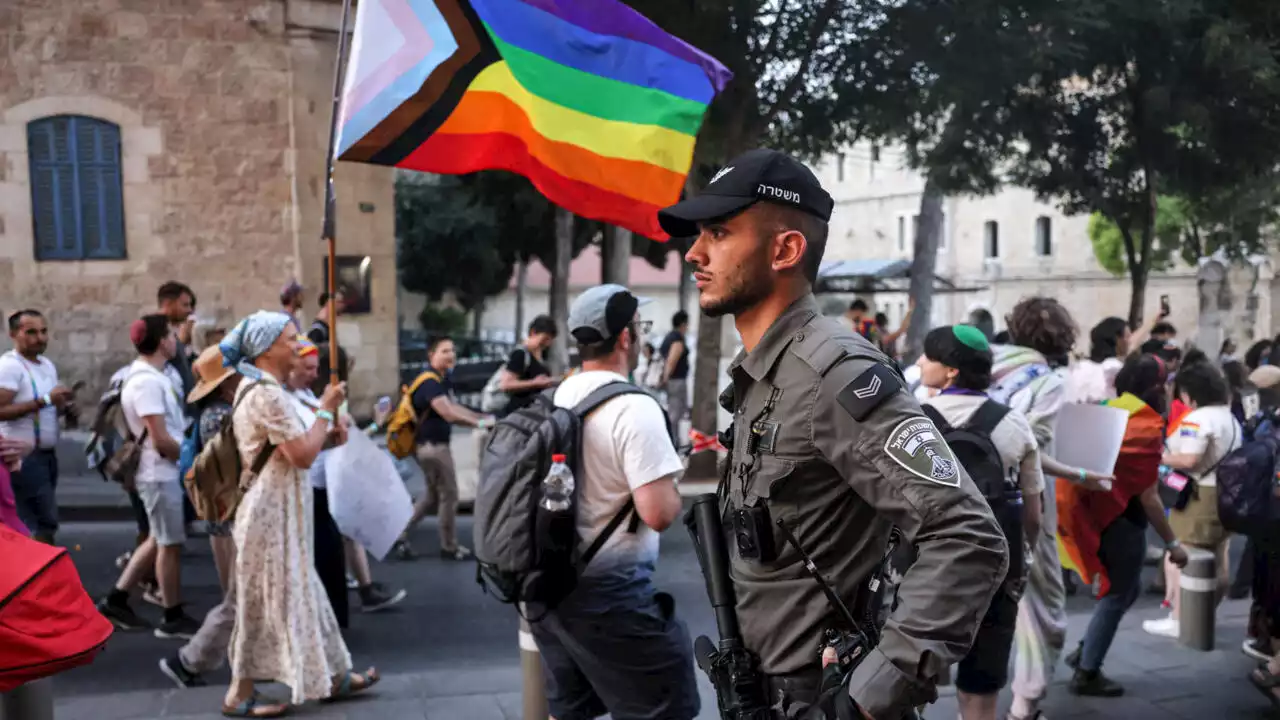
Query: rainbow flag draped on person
[
  {"x": 590, "y": 100},
  {"x": 1084, "y": 514}
]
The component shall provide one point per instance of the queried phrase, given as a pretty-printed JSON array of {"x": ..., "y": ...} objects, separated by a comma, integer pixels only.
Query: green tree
[
  {"x": 792, "y": 90},
  {"x": 1099, "y": 105},
  {"x": 1173, "y": 233}
]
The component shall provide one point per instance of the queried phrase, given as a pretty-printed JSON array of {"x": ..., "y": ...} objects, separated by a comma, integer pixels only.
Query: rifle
[{"x": 733, "y": 669}]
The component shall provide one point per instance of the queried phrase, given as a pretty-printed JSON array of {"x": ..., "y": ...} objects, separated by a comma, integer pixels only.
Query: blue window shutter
[{"x": 76, "y": 188}]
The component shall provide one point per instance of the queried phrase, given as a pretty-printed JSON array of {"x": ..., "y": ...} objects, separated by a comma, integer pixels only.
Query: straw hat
[{"x": 208, "y": 367}]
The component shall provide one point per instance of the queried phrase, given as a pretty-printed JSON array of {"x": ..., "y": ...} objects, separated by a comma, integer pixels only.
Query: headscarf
[{"x": 250, "y": 338}]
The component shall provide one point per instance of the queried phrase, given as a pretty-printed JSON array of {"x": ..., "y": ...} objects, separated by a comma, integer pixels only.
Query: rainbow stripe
[{"x": 591, "y": 101}]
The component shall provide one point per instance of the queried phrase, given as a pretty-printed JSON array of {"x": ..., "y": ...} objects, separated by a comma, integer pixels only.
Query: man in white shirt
[
  {"x": 155, "y": 414},
  {"x": 614, "y": 645},
  {"x": 30, "y": 400}
]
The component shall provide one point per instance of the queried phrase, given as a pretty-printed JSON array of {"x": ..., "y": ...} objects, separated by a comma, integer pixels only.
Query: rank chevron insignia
[{"x": 870, "y": 389}]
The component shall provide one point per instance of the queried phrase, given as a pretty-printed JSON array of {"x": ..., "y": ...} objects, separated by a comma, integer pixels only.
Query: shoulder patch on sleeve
[
  {"x": 865, "y": 392},
  {"x": 918, "y": 447}
]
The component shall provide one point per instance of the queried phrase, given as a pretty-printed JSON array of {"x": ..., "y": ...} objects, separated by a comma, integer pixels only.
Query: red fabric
[
  {"x": 48, "y": 623},
  {"x": 1177, "y": 411},
  {"x": 1083, "y": 514}
]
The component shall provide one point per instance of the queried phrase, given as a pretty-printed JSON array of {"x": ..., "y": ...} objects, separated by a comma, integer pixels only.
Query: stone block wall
[{"x": 223, "y": 110}]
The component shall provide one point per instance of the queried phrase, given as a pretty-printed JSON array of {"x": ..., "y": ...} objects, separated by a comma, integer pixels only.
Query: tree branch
[
  {"x": 785, "y": 98},
  {"x": 766, "y": 52}
]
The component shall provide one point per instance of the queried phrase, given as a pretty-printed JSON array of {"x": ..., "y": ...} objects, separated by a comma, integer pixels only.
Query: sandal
[
  {"x": 353, "y": 683},
  {"x": 1266, "y": 682},
  {"x": 257, "y": 706}
]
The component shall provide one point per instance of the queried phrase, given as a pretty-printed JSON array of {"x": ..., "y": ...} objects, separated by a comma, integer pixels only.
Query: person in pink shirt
[{"x": 11, "y": 452}]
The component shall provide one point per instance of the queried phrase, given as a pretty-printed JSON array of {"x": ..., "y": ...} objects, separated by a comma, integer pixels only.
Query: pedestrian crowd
[{"x": 1000, "y": 554}]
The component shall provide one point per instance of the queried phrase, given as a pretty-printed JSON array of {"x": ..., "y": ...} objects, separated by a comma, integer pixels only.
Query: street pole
[
  {"x": 33, "y": 701},
  {"x": 328, "y": 231},
  {"x": 535, "y": 692}
]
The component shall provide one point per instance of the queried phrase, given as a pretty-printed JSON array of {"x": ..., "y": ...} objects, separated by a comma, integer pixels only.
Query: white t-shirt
[
  {"x": 28, "y": 381},
  {"x": 1012, "y": 437},
  {"x": 147, "y": 392},
  {"x": 625, "y": 446},
  {"x": 1210, "y": 432},
  {"x": 1091, "y": 382}
]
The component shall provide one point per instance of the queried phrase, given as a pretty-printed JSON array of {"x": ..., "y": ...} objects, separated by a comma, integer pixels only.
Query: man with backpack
[
  {"x": 435, "y": 412},
  {"x": 614, "y": 645},
  {"x": 154, "y": 412},
  {"x": 996, "y": 446}
]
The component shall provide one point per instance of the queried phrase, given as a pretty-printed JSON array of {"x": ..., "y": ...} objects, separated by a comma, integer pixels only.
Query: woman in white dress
[{"x": 285, "y": 629}]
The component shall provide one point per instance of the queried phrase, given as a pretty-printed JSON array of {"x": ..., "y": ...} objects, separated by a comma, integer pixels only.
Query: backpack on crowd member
[
  {"x": 214, "y": 481},
  {"x": 402, "y": 425},
  {"x": 977, "y": 453},
  {"x": 112, "y": 448},
  {"x": 525, "y": 552},
  {"x": 1247, "y": 484},
  {"x": 493, "y": 398}
]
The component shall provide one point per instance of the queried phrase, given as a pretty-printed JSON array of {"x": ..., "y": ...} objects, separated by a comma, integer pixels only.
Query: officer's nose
[{"x": 697, "y": 255}]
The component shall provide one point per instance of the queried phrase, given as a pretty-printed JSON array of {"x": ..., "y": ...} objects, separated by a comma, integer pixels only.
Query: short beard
[{"x": 743, "y": 295}]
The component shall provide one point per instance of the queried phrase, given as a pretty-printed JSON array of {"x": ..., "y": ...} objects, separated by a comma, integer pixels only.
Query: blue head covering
[{"x": 250, "y": 338}]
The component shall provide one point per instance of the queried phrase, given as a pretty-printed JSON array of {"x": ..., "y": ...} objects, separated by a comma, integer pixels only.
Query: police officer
[{"x": 826, "y": 439}]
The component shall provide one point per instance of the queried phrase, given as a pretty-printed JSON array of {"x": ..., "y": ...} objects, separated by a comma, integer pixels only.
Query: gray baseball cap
[{"x": 602, "y": 313}]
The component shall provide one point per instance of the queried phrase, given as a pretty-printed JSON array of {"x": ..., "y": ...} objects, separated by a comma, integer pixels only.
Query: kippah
[
  {"x": 137, "y": 331},
  {"x": 971, "y": 337}
]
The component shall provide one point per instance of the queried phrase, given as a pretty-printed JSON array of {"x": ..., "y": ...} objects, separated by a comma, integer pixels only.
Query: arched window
[
  {"x": 77, "y": 202},
  {"x": 991, "y": 238},
  {"x": 1044, "y": 236}
]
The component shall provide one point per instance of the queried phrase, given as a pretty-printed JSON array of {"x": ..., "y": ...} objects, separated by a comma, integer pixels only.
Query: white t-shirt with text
[
  {"x": 28, "y": 381},
  {"x": 625, "y": 446},
  {"x": 149, "y": 392},
  {"x": 1210, "y": 432}
]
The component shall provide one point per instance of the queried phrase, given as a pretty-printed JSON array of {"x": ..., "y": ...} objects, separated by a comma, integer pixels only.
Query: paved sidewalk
[{"x": 1164, "y": 681}]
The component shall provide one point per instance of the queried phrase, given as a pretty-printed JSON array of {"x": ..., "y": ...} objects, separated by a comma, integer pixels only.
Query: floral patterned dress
[{"x": 285, "y": 629}]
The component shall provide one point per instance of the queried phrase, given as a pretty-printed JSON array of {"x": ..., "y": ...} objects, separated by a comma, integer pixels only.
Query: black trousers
[{"x": 331, "y": 560}]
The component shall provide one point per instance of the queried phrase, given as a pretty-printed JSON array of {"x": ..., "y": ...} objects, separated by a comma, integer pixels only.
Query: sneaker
[
  {"x": 173, "y": 668},
  {"x": 1257, "y": 648},
  {"x": 458, "y": 553},
  {"x": 352, "y": 583},
  {"x": 182, "y": 627},
  {"x": 402, "y": 550},
  {"x": 375, "y": 597},
  {"x": 1092, "y": 683},
  {"x": 1163, "y": 627},
  {"x": 122, "y": 616}
]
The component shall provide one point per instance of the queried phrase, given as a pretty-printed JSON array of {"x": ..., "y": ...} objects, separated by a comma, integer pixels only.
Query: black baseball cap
[{"x": 751, "y": 177}]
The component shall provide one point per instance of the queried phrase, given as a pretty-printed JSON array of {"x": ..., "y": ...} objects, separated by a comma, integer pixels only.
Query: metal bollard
[
  {"x": 33, "y": 701},
  {"x": 1198, "y": 600},
  {"x": 535, "y": 689}
]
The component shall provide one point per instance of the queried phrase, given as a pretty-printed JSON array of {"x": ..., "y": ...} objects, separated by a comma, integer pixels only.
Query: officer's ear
[{"x": 788, "y": 249}]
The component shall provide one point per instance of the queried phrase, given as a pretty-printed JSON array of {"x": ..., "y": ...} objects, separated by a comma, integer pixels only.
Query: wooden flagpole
[{"x": 328, "y": 232}]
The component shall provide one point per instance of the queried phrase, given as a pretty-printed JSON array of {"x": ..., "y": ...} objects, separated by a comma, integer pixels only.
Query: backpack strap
[
  {"x": 413, "y": 388},
  {"x": 987, "y": 417},
  {"x": 264, "y": 454},
  {"x": 940, "y": 422},
  {"x": 605, "y": 534},
  {"x": 604, "y": 394}
]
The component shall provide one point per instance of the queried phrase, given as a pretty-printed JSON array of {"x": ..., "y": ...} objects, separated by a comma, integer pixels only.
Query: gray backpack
[{"x": 527, "y": 554}]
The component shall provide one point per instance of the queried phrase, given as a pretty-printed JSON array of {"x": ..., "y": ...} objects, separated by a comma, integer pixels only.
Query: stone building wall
[{"x": 206, "y": 95}]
